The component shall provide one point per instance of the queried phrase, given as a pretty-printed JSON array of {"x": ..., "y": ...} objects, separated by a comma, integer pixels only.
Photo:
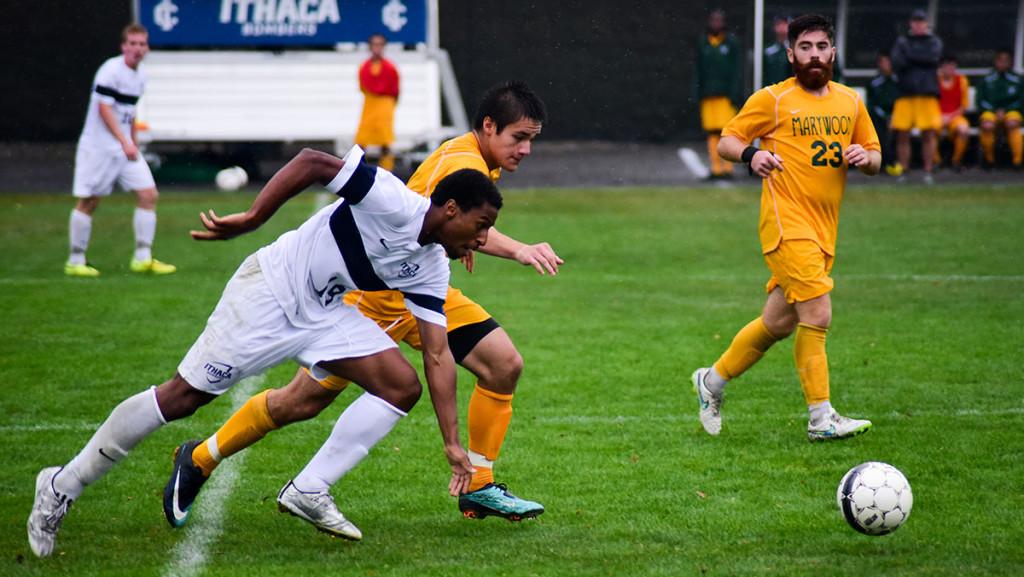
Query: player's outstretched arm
[
  {"x": 307, "y": 168},
  {"x": 439, "y": 367},
  {"x": 540, "y": 256}
]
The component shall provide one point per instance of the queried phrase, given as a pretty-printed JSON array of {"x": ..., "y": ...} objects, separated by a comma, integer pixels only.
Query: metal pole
[
  {"x": 433, "y": 27},
  {"x": 759, "y": 43},
  {"x": 1018, "y": 43},
  {"x": 842, "y": 18}
]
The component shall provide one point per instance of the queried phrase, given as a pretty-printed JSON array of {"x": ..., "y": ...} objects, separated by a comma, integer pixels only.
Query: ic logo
[
  {"x": 217, "y": 372},
  {"x": 408, "y": 270},
  {"x": 163, "y": 15}
]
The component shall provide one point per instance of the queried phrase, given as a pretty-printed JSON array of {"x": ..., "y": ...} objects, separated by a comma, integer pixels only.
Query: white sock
[
  {"x": 363, "y": 424},
  {"x": 819, "y": 413},
  {"x": 130, "y": 422},
  {"x": 144, "y": 222},
  {"x": 79, "y": 231},
  {"x": 714, "y": 381}
]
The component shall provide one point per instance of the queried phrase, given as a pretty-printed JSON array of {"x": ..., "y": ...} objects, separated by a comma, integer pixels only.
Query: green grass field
[{"x": 927, "y": 341}]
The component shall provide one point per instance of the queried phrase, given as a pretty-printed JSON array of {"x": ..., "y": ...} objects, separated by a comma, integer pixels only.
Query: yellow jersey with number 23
[{"x": 810, "y": 134}]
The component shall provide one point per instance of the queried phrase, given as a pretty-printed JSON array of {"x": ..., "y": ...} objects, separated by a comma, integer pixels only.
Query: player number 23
[{"x": 821, "y": 148}]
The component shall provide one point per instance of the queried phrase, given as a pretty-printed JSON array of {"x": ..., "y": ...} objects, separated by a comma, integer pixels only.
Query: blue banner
[{"x": 236, "y": 23}]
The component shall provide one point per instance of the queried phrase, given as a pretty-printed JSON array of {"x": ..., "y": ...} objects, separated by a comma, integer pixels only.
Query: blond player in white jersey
[{"x": 107, "y": 153}]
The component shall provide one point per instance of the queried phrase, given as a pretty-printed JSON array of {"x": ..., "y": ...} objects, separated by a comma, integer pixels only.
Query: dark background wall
[{"x": 607, "y": 69}]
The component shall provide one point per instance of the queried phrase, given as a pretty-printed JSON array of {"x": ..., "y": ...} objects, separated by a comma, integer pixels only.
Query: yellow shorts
[
  {"x": 989, "y": 116},
  {"x": 801, "y": 269},
  {"x": 920, "y": 112},
  {"x": 715, "y": 113},
  {"x": 460, "y": 310},
  {"x": 376, "y": 126},
  {"x": 955, "y": 124}
]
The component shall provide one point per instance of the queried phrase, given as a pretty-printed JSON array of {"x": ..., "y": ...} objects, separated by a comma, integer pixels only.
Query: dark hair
[
  {"x": 133, "y": 28},
  {"x": 947, "y": 58},
  {"x": 469, "y": 188},
  {"x": 780, "y": 18},
  {"x": 509, "y": 102},
  {"x": 810, "y": 23},
  {"x": 883, "y": 54},
  {"x": 375, "y": 35},
  {"x": 1004, "y": 50}
]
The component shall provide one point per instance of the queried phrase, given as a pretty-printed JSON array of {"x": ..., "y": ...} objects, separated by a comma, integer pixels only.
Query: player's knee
[
  {"x": 406, "y": 393},
  {"x": 781, "y": 327},
  {"x": 987, "y": 126},
  {"x": 148, "y": 198},
  {"x": 1012, "y": 125},
  {"x": 508, "y": 371},
  {"x": 177, "y": 399}
]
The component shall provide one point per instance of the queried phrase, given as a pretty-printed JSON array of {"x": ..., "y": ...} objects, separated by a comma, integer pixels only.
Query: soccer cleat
[
  {"x": 895, "y": 169},
  {"x": 82, "y": 270},
  {"x": 319, "y": 510},
  {"x": 494, "y": 499},
  {"x": 837, "y": 426},
  {"x": 710, "y": 403},
  {"x": 151, "y": 266},
  {"x": 48, "y": 513},
  {"x": 183, "y": 486}
]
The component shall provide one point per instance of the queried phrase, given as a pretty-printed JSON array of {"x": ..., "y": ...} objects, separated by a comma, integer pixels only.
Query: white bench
[{"x": 194, "y": 96}]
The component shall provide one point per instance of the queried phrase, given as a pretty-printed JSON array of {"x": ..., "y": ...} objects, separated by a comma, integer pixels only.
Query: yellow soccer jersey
[
  {"x": 810, "y": 133},
  {"x": 455, "y": 154}
]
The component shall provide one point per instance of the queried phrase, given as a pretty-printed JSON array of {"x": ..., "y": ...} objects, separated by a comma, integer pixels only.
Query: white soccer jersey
[
  {"x": 366, "y": 240},
  {"x": 118, "y": 85}
]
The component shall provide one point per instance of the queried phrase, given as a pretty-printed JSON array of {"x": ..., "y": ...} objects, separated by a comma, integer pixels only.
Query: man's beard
[{"x": 813, "y": 75}]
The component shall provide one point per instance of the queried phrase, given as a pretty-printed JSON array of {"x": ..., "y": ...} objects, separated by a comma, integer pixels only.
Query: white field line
[
  {"x": 692, "y": 162},
  {"x": 679, "y": 415},
  {"x": 189, "y": 557}
]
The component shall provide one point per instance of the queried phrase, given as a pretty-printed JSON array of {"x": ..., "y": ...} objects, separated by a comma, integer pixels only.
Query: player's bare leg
[
  {"x": 929, "y": 148},
  {"x": 144, "y": 224},
  {"x": 79, "y": 232},
  {"x": 497, "y": 365}
]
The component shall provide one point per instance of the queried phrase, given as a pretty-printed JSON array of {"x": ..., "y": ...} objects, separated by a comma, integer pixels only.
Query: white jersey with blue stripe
[
  {"x": 119, "y": 86},
  {"x": 366, "y": 240}
]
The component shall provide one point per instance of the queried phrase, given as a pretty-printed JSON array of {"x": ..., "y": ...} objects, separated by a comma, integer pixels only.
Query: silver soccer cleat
[
  {"x": 710, "y": 404},
  {"x": 319, "y": 510},
  {"x": 48, "y": 512},
  {"x": 836, "y": 427}
]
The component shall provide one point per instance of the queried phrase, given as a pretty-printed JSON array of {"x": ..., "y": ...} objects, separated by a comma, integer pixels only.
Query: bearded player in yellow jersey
[
  {"x": 811, "y": 131},
  {"x": 508, "y": 119}
]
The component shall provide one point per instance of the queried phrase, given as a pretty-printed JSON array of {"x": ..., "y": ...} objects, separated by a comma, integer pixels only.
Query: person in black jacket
[{"x": 915, "y": 59}]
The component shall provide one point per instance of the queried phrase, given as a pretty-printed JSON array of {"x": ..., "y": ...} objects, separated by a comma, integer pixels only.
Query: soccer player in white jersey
[
  {"x": 285, "y": 302},
  {"x": 107, "y": 152}
]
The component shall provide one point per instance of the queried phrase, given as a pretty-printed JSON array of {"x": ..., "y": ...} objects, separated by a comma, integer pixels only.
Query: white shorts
[
  {"x": 96, "y": 170},
  {"x": 249, "y": 333}
]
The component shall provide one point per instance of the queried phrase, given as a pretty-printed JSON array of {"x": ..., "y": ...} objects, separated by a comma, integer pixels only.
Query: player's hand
[
  {"x": 856, "y": 155},
  {"x": 541, "y": 257},
  {"x": 764, "y": 162},
  {"x": 468, "y": 260},
  {"x": 462, "y": 469},
  {"x": 224, "y": 227},
  {"x": 130, "y": 150}
]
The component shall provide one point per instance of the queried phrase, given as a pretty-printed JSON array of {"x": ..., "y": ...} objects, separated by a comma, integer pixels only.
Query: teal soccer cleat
[{"x": 494, "y": 499}]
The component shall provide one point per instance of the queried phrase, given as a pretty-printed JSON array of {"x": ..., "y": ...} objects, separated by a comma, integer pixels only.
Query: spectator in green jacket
[
  {"x": 717, "y": 86},
  {"x": 882, "y": 94},
  {"x": 776, "y": 64},
  {"x": 999, "y": 99}
]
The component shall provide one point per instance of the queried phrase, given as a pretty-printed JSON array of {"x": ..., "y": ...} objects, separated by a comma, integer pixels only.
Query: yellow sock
[
  {"x": 716, "y": 161},
  {"x": 248, "y": 425},
  {"x": 489, "y": 417},
  {"x": 987, "y": 138},
  {"x": 1016, "y": 141},
  {"x": 387, "y": 162},
  {"x": 959, "y": 148},
  {"x": 811, "y": 362},
  {"x": 748, "y": 346}
]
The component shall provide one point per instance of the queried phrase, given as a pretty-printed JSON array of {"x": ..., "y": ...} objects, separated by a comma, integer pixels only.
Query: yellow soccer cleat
[
  {"x": 895, "y": 169},
  {"x": 152, "y": 266},
  {"x": 82, "y": 270}
]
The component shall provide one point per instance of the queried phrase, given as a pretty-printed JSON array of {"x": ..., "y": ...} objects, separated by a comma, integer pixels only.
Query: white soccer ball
[
  {"x": 231, "y": 178},
  {"x": 875, "y": 498}
]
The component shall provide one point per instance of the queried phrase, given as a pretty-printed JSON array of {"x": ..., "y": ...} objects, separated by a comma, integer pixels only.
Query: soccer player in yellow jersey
[
  {"x": 812, "y": 130},
  {"x": 509, "y": 118}
]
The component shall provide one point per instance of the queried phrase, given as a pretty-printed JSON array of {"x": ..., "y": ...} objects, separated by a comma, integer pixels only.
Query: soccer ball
[
  {"x": 231, "y": 178},
  {"x": 875, "y": 498}
]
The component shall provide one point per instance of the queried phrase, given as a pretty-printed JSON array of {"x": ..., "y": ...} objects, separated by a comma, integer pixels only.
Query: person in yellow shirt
[
  {"x": 509, "y": 118},
  {"x": 378, "y": 81},
  {"x": 812, "y": 130}
]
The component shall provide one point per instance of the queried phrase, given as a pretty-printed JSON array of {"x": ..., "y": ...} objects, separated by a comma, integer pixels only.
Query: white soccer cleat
[
  {"x": 48, "y": 512},
  {"x": 837, "y": 426},
  {"x": 710, "y": 404},
  {"x": 319, "y": 510}
]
